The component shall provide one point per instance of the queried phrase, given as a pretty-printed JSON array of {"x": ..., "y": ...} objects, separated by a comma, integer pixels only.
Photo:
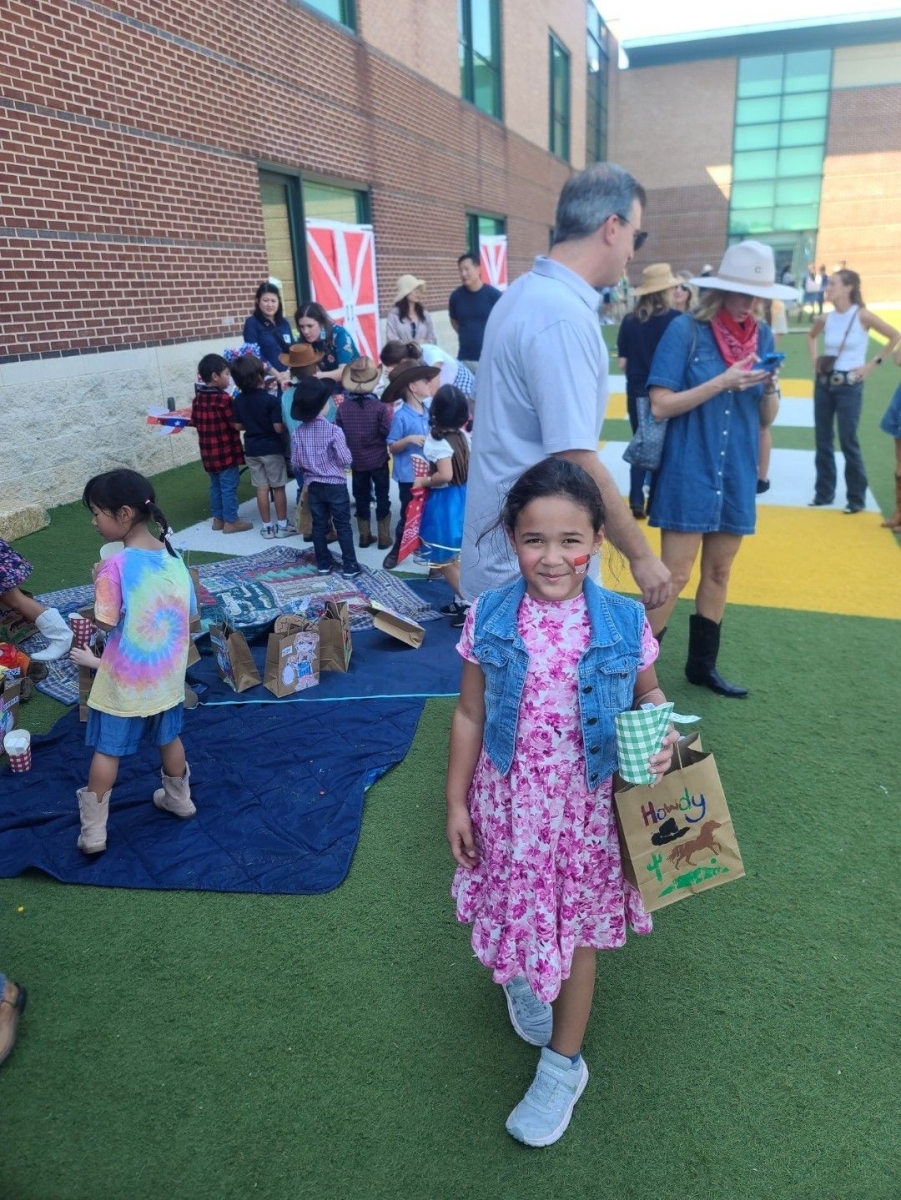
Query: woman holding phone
[{"x": 714, "y": 376}]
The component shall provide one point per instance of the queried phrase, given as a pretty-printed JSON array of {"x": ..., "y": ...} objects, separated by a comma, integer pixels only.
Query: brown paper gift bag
[
  {"x": 234, "y": 662},
  {"x": 10, "y": 694},
  {"x": 335, "y": 644},
  {"x": 677, "y": 837},
  {"x": 391, "y": 622},
  {"x": 292, "y": 656}
]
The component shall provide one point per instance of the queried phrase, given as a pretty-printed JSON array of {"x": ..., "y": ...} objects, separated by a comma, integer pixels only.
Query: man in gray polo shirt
[{"x": 542, "y": 384}]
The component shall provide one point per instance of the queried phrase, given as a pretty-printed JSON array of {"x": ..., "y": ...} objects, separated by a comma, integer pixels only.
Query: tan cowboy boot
[
  {"x": 93, "y": 811},
  {"x": 366, "y": 538},
  {"x": 175, "y": 794},
  {"x": 386, "y": 541}
]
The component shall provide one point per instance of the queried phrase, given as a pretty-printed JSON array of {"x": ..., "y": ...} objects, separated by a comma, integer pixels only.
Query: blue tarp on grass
[{"x": 279, "y": 791}]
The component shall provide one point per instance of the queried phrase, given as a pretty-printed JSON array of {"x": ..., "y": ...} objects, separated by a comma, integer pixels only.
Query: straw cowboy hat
[
  {"x": 407, "y": 371},
  {"x": 301, "y": 354},
  {"x": 407, "y": 284},
  {"x": 360, "y": 376},
  {"x": 656, "y": 277},
  {"x": 749, "y": 269}
]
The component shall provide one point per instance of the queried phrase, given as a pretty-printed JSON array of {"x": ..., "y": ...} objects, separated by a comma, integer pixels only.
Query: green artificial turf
[{"x": 216, "y": 1047}]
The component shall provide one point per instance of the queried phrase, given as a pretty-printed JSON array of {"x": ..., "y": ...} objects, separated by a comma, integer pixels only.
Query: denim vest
[{"x": 607, "y": 672}]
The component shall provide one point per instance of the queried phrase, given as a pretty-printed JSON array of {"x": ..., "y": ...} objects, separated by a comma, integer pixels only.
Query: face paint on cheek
[{"x": 580, "y": 564}]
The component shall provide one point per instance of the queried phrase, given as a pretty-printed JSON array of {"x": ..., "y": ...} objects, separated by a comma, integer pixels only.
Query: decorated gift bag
[
  {"x": 677, "y": 837},
  {"x": 334, "y": 637},
  {"x": 234, "y": 662},
  {"x": 292, "y": 656}
]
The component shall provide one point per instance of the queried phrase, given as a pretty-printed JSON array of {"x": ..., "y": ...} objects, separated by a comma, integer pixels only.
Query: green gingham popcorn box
[{"x": 639, "y": 735}]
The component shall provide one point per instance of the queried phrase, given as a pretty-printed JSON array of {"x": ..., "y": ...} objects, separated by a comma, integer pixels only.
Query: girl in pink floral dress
[{"x": 549, "y": 661}]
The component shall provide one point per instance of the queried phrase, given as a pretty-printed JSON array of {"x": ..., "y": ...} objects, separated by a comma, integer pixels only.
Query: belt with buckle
[{"x": 839, "y": 378}]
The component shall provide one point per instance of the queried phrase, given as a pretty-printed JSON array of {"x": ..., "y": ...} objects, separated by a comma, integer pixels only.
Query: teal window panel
[
  {"x": 798, "y": 191},
  {"x": 754, "y": 164},
  {"x": 558, "y": 137},
  {"x": 802, "y": 133},
  {"x": 341, "y": 11},
  {"x": 483, "y": 29},
  {"x": 808, "y": 71},
  {"x": 806, "y": 104},
  {"x": 478, "y": 23},
  {"x": 755, "y": 112},
  {"x": 760, "y": 76},
  {"x": 803, "y": 160},
  {"x": 753, "y": 195},
  {"x": 797, "y": 217},
  {"x": 746, "y": 222},
  {"x": 756, "y": 137}
]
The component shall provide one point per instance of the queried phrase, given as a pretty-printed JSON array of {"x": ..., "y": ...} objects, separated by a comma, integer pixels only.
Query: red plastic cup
[{"x": 82, "y": 629}]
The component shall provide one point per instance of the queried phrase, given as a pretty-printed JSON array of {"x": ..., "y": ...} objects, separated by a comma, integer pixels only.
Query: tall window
[
  {"x": 598, "y": 56},
  {"x": 286, "y": 201},
  {"x": 479, "y": 27},
  {"x": 558, "y": 138},
  {"x": 781, "y": 114},
  {"x": 478, "y": 225},
  {"x": 342, "y": 11}
]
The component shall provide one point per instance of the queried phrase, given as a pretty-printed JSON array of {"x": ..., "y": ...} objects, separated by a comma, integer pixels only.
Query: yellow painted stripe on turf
[
  {"x": 809, "y": 560},
  {"x": 616, "y": 407},
  {"x": 797, "y": 389}
]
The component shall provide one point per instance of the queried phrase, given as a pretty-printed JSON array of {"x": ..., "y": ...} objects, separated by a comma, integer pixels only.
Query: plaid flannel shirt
[
  {"x": 366, "y": 422},
  {"x": 319, "y": 452},
  {"x": 212, "y": 415}
]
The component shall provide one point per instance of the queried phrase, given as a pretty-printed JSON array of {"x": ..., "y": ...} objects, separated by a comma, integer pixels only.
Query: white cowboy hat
[
  {"x": 407, "y": 284},
  {"x": 749, "y": 269}
]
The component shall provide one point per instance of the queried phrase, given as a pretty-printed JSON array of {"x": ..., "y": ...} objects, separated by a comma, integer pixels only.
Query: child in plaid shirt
[
  {"x": 320, "y": 453},
  {"x": 221, "y": 453},
  {"x": 549, "y": 661}
]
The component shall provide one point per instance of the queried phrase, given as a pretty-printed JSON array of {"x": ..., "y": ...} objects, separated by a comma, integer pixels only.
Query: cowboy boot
[
  {"x": 304, "y": 518},
  {"x": 894, "y": 521},
  {"x": 385, "y": 539},
  {"x": 58, "y": 634},
  {"x": 175, "y": 794},
  {"x": 93, "y": 811},
  {"x": 366, "y": 538},
  {"x": 703, "y": 649}
]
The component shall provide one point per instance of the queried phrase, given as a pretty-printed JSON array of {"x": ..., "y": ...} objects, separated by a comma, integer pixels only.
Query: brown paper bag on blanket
[
  {"x": 335, "y": 644},
  {"x": 677, "y": 837},
  {"x": 292, "y": 656},
  {"x": 234, "y": 662}
]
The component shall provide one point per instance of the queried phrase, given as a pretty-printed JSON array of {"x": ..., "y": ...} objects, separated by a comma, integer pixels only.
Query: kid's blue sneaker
[
  {"x": 541, "y": 1117},
  {"x": 532, "y": 1019}
]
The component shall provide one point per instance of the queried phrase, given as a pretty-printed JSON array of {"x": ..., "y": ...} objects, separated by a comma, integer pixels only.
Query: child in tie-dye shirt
[{"x": 145, "y": 598}]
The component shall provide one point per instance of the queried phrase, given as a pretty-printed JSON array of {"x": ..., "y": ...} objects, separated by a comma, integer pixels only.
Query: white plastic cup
[{"x": 17, "y": 744}]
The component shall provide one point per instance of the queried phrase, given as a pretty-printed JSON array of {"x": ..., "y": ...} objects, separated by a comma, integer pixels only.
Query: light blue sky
[{"x": 655, "y": 18}]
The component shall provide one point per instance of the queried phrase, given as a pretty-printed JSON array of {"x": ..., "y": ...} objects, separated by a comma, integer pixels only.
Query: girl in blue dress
[{"x": 446, "y": 449}]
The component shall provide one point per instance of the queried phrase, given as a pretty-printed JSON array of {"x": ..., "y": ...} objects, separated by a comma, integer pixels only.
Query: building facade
[
  {"x": 160, "y": 160},
  {"x": 790, "y": 134}
]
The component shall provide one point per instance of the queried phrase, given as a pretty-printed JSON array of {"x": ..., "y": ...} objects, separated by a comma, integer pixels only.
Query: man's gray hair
[{"x": 590, "y": 198}]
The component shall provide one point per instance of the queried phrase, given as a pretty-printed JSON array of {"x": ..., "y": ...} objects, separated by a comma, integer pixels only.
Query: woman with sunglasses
[
  {"x": 838, "y": 388},
  {"x": 705, "y": 379},
  {"x": 683, "y": 296}
]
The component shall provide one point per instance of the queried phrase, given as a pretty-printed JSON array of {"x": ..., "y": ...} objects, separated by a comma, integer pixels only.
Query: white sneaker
[
  {"x": 544, "y": 1113},
  {"x": 532, "y": 1018}
]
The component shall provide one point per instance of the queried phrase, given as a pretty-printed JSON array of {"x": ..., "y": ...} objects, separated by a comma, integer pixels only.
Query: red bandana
[{"x": 735, "y": 340}]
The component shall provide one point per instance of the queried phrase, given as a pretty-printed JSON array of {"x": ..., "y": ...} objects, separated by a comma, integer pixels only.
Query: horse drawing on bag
[{"x": 706, "y": 840}]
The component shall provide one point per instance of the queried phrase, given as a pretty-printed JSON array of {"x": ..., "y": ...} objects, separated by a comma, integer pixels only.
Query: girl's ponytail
[{"x": 165, "y": 528}]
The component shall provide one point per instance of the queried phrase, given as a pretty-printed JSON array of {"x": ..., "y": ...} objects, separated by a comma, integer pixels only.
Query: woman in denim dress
[{"x": 704, "y": 379}]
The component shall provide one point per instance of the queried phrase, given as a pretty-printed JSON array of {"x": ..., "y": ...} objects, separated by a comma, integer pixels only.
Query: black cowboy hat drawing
[{"x": 668, "y": 832}]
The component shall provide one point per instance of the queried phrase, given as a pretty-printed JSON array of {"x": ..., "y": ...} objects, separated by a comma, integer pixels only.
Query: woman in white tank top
[{"x": 838, "y": 390}]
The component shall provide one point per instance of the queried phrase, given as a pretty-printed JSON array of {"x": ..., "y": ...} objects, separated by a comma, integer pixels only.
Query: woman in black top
[{"x": 639, "y": 334}]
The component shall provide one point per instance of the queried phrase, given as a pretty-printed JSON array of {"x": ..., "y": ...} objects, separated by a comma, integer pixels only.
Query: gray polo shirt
[{"x": 541, "y": 388}]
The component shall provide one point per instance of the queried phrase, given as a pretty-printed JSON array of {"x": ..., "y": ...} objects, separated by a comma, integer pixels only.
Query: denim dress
[{"x": 707, "y": 481}]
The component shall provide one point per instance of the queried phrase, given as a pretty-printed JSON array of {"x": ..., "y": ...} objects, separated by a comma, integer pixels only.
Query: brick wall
[
  {"x": 134, "y": 139},
  {"x": 860, "y": 217},
  {"x": 672, "y": 128}
]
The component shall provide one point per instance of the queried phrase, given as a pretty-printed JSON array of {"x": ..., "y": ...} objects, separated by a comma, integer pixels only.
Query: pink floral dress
[{"x": 549, "y": 877}]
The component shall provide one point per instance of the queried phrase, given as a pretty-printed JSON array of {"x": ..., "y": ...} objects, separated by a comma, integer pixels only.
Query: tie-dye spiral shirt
[{"x": 148, "y": 598}]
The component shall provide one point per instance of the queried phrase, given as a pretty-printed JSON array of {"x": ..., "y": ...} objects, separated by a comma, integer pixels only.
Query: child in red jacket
[{"x": 221, "y": 452}]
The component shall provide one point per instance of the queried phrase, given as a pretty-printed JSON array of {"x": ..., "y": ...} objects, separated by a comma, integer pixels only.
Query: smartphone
[{"x": 770, "y": 362}]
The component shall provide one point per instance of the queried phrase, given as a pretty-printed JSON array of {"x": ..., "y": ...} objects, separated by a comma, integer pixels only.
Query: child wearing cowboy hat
[
  {"x": 302, "y": 360},
  {"x": 413, "y": 383},
  {"x": 366, "y": 423}
]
